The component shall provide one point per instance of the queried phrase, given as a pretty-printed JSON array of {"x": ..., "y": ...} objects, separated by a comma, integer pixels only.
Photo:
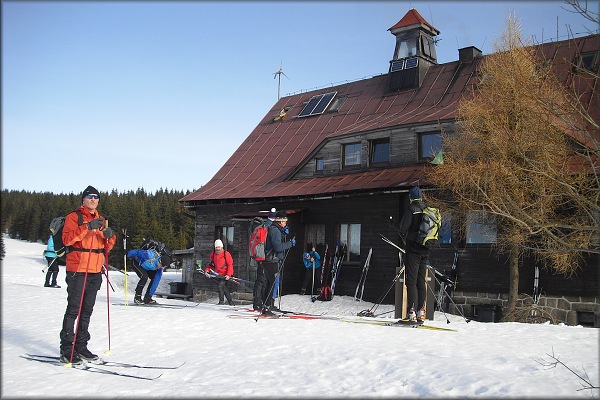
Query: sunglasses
[{"x": 92, "y": 196}]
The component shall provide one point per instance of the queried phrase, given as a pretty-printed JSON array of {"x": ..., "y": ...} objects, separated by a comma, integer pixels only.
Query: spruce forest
[{"x": 158, "y": 216}]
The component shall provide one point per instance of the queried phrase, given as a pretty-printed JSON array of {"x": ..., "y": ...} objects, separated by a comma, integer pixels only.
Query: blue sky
[{"x": 128, "y": 95}]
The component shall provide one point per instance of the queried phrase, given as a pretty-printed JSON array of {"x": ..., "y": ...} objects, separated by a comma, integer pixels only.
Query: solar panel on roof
[
  {"x": 397, "y": 65},
  {"x": 317, "y": 104},
  {"x": 412, "y": 62}
]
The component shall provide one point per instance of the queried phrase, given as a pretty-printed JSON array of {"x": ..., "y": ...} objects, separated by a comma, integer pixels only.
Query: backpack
[
  {"x": 256, "y": 245},
  {"x": 56, "y": 230},
  {"x": 147, "y": 259},
  {"x": 429, "y": 229}
]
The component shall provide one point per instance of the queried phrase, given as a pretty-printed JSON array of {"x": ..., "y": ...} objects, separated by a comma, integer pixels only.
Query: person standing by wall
[
  {"x": 53, "y": 263},
  {"x": 417, "y": 257},
  {"x": 221, "y": 263},
  {"x": 275, "y": 249},
  {"x": 85, "y": 261},
  {"x": 312, "y": 262},
  {"x": 260, "y": 284}
]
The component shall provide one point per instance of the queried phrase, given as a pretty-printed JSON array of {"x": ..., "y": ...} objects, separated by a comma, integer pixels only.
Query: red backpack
[{"x": 256, "y": 246}]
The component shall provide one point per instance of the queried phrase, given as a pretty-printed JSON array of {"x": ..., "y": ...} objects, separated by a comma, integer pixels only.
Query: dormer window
[
  {"x": 430, "y": 145},
  {"x": 587, "y": 61},
  {"x": 380, "y": 151},
  {"x": 351, "y": 154}
]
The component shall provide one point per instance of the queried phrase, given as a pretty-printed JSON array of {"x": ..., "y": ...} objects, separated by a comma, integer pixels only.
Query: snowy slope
[{"x": 244, "y": 358}]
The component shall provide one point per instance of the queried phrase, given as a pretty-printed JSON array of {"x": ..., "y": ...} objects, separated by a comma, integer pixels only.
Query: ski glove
[
  {"x": 293, "y": 241},
  {"x": 108, "y": 233},
  {"x": 96, "y": 223},
  {"x": 286, "y": 230}
]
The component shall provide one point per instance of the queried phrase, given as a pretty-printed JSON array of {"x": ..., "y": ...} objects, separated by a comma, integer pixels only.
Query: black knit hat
[
  {"x": 89, "y": 190},
  {"x": 281, "y": 216}
]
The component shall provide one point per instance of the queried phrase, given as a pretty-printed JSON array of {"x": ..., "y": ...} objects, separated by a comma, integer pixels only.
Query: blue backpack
[{"x": 148, "y": 259}]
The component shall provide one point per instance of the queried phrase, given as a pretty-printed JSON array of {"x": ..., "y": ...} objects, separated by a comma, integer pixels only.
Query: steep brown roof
[
  {"x": 262, "y": 165},
  {"x": 413, "y": 17}
]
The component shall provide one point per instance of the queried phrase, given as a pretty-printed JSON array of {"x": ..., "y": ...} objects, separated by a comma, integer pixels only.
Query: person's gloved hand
[
  {"x": 96, "y": 223},
  {"x": 286, "y": 230},
  {"x": 108, "y": 233},
  {"x": 293, "y": 241}
]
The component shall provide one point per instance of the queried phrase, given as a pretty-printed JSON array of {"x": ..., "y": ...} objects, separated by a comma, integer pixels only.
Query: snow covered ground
[{"x": 281, "y": 358}]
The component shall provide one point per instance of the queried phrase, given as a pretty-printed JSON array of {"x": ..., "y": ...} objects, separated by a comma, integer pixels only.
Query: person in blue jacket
[
  {"x": 148, "y": 265},
  {"x": 312, "y": 262},
  {"x": 53, "y": 263}
]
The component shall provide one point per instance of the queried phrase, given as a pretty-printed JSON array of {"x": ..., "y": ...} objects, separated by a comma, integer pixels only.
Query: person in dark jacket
[
  {"x": 53, "y": 263},
  {"x": 221, "y": 263},
  {"x": 275, "y": 250},
  {"x": 85, "y": 260},
  {"x": 417, "y": 257},
  {"x": 260, "y": 284}
]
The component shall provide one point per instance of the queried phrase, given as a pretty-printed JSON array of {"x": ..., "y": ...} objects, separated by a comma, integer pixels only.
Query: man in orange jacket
[{"x": 85, "y": 235}]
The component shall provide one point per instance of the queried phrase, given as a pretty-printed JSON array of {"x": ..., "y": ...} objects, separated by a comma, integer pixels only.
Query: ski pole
[
  {"x": 107, "y": 291},
  {"x": 369, "y": 312},
  {"x": 281, "y": 277},
  {"x": 87, "y": 267},
  {"x": 312, "y": 290},
  {"x": 450, "y": 298},
  {"x": 124, "y": 230},
  {"x": 431, "y": 290}
]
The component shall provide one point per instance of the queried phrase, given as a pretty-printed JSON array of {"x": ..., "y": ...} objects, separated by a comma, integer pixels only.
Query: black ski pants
[
  {"x": 75, "y": 291},
  {"x": 308, "y": 279},
  {"x": 52, "y": 273},
  {"x": 260, "y": 287},
  {"x": 144, "y": 276},
  {"x": 416, "y": 268},
  {"x": 223, "y": 289},
  {"x": 271, "y": 269}
]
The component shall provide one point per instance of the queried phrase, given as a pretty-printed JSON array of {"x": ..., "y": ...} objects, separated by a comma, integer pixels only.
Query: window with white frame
[
  {"x": 351, "y": 154},
  {"x": 350, "y": 237}
]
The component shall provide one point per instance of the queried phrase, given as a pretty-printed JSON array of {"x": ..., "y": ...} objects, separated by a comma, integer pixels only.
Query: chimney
[{"x": 467, "y": 54}]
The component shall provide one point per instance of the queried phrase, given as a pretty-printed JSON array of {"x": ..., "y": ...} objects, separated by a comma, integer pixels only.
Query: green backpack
[{"x": 429, "y": 229}]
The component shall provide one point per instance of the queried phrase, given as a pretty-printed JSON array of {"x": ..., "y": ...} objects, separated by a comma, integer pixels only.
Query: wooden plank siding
[{"x": 480, "y": 268}]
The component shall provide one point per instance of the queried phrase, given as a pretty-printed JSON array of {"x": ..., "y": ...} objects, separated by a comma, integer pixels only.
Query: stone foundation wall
[{"x": 568, "y": 310}]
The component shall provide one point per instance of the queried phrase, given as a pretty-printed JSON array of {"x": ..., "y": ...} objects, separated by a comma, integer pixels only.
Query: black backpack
[{"x": 56, "y": 230}]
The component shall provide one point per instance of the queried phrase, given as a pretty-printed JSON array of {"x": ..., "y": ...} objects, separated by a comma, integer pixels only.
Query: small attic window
[
  {"x": 337, "y": 104},
  {"x": 587, "y": 61},
  {"x": 317, "y": 104}
]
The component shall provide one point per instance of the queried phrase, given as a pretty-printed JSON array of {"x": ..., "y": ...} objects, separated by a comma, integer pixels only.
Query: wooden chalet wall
[{"x": 481, "y": 273}]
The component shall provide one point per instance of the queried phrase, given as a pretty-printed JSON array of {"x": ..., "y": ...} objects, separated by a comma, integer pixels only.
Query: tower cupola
[{"x": 414, "y": 52}]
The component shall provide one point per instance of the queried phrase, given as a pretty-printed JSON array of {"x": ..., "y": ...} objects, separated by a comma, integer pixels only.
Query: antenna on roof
[{"x": 279, "y": 73}]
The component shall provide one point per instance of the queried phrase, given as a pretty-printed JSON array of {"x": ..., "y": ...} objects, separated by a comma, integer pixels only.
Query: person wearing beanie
[
  {"x": 275, "y": 247},
  {"x": 87, "y": 243},
  {"x": 416, "y": 257},
  {"x": 220, "y": 267}
]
